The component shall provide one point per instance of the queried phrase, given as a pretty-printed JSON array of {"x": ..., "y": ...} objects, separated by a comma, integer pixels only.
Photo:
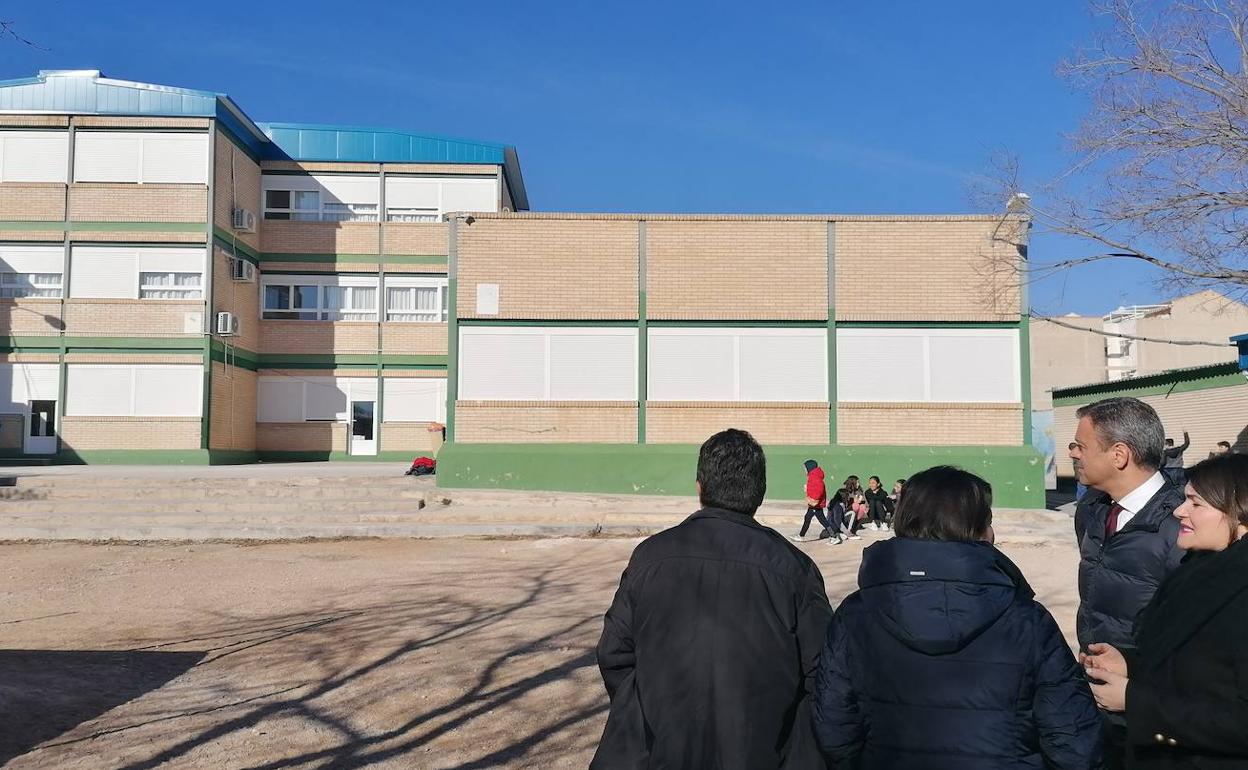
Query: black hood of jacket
[{"x": 937, "y": 596}]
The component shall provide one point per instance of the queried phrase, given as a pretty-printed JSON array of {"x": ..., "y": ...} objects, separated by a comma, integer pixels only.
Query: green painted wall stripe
[
  {"x": 362, "y": 273},
  {"x": 1016, "y": 473},
  {"x": 1152, "y": 387},
  {"x": 331, "y": 360},
  {"x": 243, "y": 251},
  {"x": 355, "y": 259},
  {"x": 832, "y": 355}
]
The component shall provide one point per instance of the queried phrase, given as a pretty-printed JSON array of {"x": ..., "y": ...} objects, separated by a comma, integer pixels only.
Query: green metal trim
[
  {"x": 231, "y": 457},
  {"x": 643, "y": 334},
  {"x": 1225, "y": 375},
  {"x": 831, "y": 324},
  {"x": 103, "y": 344},
  {"x": 414, "y": 367},
  {"x": 361, "y": 273},
  {"x": 226, "y": 241},
  {"x": 205, "y": 412},
  {"x": 929, "y": 324},
  {"x": 57, "y": 226},
  {"x": 345, "y": 361},
  {"x": 355, "y": 259},
  {"x": 452, "y": 327},
  {"x": 237, "y": 361}
]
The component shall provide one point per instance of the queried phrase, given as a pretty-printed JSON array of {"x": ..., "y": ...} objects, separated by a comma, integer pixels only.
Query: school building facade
[{"x": 181, "y": 284}]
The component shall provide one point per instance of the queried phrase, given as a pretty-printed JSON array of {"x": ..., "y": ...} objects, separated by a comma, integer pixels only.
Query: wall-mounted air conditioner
[
  {"x": 243, "y": 270},
  {"x": 244, "y": 221},
  {"x": 227, "y": 324}
]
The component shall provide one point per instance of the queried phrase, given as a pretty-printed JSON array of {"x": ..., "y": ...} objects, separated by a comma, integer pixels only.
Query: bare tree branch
[
  {"x": 9, "y": 29},
  {"x": 1120, "y": 335}
]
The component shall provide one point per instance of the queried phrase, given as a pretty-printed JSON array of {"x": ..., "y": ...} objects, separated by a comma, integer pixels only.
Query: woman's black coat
[{"x": 1187, "y": 700}]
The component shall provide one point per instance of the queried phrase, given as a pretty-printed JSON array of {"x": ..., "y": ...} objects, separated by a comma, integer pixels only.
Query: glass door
[
  {"x": 40, "y": 429},
  {"x": 363, "y": 428}
]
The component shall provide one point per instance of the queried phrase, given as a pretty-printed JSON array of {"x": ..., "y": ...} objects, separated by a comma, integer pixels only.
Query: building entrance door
[
  {"x": 363, "y": 428},
  {"x": 40, "y": 436}
]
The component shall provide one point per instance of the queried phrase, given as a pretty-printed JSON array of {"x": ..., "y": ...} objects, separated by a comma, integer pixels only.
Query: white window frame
[
  {"x": 440, "y": 287},
  {"x": 412, "y": 214},
  {"x": 325, "y": 210},
  {"x": 11, "y": 283},
  {"x": 547, "y": 333},
  {"x": 321, "y": 282},
  {"x": 186, "y": 291},
  {"x": 736, "y": 333},
  {"x": 293, "y": 214},
  {"x": 927, "y": 335}
]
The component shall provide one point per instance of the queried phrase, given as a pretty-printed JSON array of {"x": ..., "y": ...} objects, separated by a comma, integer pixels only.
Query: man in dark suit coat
[{"x": 1126, "y": 531}]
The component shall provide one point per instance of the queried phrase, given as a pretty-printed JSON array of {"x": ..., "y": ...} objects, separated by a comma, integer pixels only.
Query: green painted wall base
[
  {"x": 194, "y": 457},
  {"x": 1016, "y": 473},
  {"x": 308, "y": 457}
]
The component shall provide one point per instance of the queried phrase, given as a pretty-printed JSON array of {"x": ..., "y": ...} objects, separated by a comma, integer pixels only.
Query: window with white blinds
[
  {"x": 937, "y": 365},
  {"x": 322, "y": 197},
  {"x": 319, "y": 298},
  {"x": 415, "y": 399},
  {"x": 426, "y": 199},
  {"x": 31, "y": 271},
  {"x": 34, "y": 156},
  {"x": 141, "y": 390},
  {"x": 418, "y": 300},
  {"x": 22, "y": 383},
  {"x": 141, "y": 156},
  {"x": 311, "y": 399},
  {"x": 737, "y": 364},
  {"x": 130, "y": 272},
  {"x": 547, "y": 364}
]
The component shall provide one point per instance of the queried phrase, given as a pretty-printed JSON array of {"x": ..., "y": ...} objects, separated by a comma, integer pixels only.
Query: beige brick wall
[
  {"x": 945, "y": 424},
  {"x": 32, "y": 201},
  {"x": 410, "y": 437},
  {"x": 322, "y": 267},
  {"x": 680, "y": 422},
  {"x": 46, "y": 236},
  {"x": 12, "y": 431},
  {"x": 30, "y": 316},
  {"x": 545, "y": 422},
  {"x": 86, "y": 433},
  {"x": 925, "y": 271},
  {"x": 237, "y": 297},
  {"x": 301, "y": 437},
  {"x": 309, "y": 167},
  {"x": 417, "y": 238},
  {"x": 97, "y": 202},
  {"x": 1062, "y": 357},
  {"x": 237, "y": 183},
  {"x": 550, "y": 269},
  {"x": 413, "y": 339},
  {"x": 131, "y": 317},
  {"x": 1209, "y": 416},
  {"x": 34, "y": 121},
  {"x": 233, "y": 419},
  {"x": 29, "y": 358},
  {"x": 137, "y": 236},
  {"x": 736, "y": 270},
  {"x": 318, "y": 337},
  {"x": 114, "y": 121},
  {"x": 287, "y": 237}
]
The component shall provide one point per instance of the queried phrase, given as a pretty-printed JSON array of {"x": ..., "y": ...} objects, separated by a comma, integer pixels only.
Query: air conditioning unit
[
  {"x": 243, "y": 270},
  {"x": 244, "y": 221},
  {"x": 227, "y": 324}
]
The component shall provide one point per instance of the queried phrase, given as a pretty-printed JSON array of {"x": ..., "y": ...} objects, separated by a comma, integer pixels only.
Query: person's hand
[
  {"x": 1102, "y": 657},
  {"x": 1111, "y": 693}
]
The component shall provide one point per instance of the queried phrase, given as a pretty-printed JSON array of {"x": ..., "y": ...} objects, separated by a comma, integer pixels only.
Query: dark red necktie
[{"x": 1111, "y": 523}]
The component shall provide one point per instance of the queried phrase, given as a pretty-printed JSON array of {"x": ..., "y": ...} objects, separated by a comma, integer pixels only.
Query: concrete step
[{"x": 219, "y": 491}]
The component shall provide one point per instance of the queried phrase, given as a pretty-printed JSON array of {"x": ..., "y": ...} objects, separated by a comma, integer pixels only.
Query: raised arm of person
[
  {"x": 1066, "y": 716},
  {"x": 839, "y": 723},
  {"x": 616, "y": 652}
]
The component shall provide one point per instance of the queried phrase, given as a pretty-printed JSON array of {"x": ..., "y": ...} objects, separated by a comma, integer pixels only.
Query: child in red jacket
[{"x": 816, "y": 501}]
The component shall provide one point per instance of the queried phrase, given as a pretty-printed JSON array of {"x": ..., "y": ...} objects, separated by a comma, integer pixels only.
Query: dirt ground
[{"x": 380, "y": 654}]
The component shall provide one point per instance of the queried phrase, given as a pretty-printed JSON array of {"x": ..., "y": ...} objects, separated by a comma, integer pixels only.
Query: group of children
[{"x": 848, "y": 510}]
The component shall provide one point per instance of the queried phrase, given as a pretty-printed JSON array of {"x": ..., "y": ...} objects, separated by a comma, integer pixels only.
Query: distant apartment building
[{"x": 181, "y": 284}]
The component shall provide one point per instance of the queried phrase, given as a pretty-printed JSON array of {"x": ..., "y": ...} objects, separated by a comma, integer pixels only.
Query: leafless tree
[
  {"x": 8, "y": 29},
  {"x": 1161, "y": 162}
]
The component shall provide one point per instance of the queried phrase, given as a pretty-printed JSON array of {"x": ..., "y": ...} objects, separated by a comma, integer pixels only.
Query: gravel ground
[{"x": 379, "y": 654}]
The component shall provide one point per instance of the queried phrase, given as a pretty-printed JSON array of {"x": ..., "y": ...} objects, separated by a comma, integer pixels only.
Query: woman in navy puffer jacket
[{"x": 943, "y": 659}]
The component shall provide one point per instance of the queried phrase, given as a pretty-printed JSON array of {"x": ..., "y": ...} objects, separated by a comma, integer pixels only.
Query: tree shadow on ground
[{"x": 44, "y": 693}]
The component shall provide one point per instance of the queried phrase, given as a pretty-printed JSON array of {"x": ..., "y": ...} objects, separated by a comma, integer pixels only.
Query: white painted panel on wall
[
  {"x": 279, "y": 399},
  {"x": 407, "y": 192},
  {"x": 350, "y": 189},
  {"x": 415, "y": 399},
  {"x": 487, "y": 299},
  {"x": 104, "y": 272},
  {"x": 593, "y": 367},
  {"x": 180, "y": 260},
  {"x": 784, "y": 365},
  {"x": 468, "y": 195},
  {"x": 94, "y": 390},
  {"x": 31, "y": 259},
  {"x": 878, "y": 365},
  {"x": 34, "y": 156},
  {"x": 691, "y": 367},
  {"x": 359, "y": 388},
  {"x": 22, "y": 383},
  {"x": 107, "y": 156},
  {"x": 980, "y": 365},
  {"x": 168, "y": 391},
  {"x": 175, "y": 158},
  {"x": 502, "y": 366},
  {"x": 325, "y": 399}
]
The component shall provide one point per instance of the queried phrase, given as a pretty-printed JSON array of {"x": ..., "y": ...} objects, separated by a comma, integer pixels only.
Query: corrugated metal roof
[{"x": 88, "y": 92}]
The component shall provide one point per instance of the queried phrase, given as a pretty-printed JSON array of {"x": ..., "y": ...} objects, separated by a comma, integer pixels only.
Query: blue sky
[{"x": 809, "y": 107}]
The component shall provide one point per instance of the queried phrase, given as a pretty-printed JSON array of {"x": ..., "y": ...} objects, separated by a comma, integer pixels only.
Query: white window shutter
[
  {"x": 170, "y": 260},
  {"x": 784, "y": 365},
  {"x": 105, "y": 156},
  {"x": 406, "y": 192},
  {"x": 502, "y": 367},
  {"x": 593, "y": 367},
  {"x": 279, "y": 399},
  {"x": 31, "y": 259},
  {"x": 95, "y": 390},
  {"x": 101, "y": 272},
  {"x": 469, "y": 195},
  {"x": 34, "y": 156},
  {"x": 414, "y": 399},
  {"x": 691, "y": 367},
  {"x": 175, "y": 158},
  {"x": 326, "y": 398},
  {"x": 168, "y": 391},
  {"x": 978, "y": 366},
  {"x": 349, "y": 189}
]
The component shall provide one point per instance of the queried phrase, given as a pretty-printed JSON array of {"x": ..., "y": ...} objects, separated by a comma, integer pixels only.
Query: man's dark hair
[
  {"x": 732, "y": 472},
  {"x": 944, "y": 503},
  {"x": 876, "y": 479},
  {"x": 1131, "y": 422}
]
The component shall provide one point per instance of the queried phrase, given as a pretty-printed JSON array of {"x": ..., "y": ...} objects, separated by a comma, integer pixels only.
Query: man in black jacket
[
  {"x": 1126, "y": 531},
  {"x": 710, "y": 648}
]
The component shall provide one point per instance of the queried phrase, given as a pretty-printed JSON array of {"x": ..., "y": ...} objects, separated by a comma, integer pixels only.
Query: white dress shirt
[{"x": 1136, "y": 499}]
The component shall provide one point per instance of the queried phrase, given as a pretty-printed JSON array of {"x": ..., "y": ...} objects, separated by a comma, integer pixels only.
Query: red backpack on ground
[{"x": 422, "y": 466}]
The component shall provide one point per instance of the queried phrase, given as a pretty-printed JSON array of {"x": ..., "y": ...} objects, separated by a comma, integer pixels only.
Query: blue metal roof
[{"x": 88, "y": 92}]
